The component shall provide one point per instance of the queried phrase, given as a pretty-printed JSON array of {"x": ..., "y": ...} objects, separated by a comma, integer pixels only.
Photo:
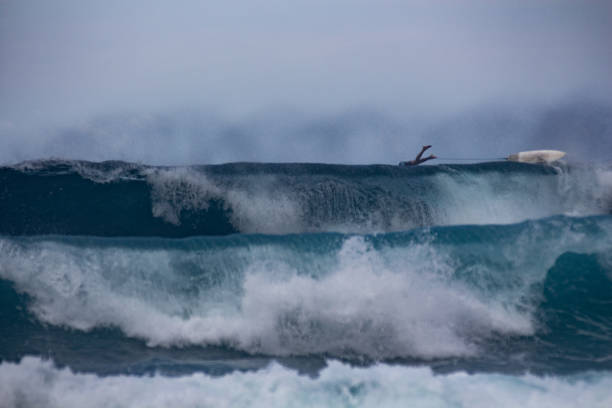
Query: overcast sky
[{"x": 66, "y": 62}]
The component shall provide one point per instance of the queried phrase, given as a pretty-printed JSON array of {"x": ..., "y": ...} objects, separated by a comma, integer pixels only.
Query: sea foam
[
  {"x": 34, "y": 382},
  {"x": 423, "y": 294}
]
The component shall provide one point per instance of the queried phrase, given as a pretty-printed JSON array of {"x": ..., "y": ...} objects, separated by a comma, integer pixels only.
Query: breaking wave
[
  {"x": 119, "y": 199},
  {"x": 427, "y": 293}
]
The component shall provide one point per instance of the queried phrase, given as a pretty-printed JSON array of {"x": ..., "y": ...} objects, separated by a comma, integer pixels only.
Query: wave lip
[{"x": 119, "y": 199}]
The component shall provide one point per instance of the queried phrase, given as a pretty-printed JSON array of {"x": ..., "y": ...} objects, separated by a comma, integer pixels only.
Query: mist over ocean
[{"x": 200, "y": 204}]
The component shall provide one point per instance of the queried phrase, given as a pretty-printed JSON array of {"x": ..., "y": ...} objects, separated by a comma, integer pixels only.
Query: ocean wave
[
  {"x": 35, "y": 382},
  {"x": 428, "y": 293},
  {"x": 119, "y": 199}
]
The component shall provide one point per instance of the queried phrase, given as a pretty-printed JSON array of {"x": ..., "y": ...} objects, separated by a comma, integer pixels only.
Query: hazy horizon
[{"x": 341, "y": 81}]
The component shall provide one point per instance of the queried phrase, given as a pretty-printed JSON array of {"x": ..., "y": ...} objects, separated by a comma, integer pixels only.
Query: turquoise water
[{"x": 305, "y": 285}]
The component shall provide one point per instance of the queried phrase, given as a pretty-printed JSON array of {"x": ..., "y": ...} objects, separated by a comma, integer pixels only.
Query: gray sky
[{"x": 66, "y": 63}]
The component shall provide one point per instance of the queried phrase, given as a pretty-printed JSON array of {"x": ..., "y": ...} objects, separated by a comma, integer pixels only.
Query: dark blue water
[
  {"x": 277, "y": 270},
  {"x": 124, "y": 199}
]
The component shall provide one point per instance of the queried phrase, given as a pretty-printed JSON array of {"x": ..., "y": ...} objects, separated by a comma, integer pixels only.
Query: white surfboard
[{"x": 537, "y": 156}]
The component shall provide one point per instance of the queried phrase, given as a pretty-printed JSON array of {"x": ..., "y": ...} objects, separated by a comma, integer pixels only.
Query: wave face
[
  {"x": 125, "y": 199},
  {"x": 478, "y": 293}
]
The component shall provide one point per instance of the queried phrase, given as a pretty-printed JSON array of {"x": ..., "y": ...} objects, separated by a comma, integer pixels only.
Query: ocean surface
[{"x": 299, "y": 284}]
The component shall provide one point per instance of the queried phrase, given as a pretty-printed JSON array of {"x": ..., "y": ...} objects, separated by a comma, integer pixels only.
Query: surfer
[{"x": 418, "y": 159}]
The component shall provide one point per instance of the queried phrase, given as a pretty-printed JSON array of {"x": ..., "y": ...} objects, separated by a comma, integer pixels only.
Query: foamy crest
[
  {"x": 369, "y": 307},
  {"x": 36, "y": 383},
  {"x": 504, "y": 198},
  {"x": 360, "y": 301},
  {"x": 277, "y": 204},
  {"x": 253, "y": 205},
  {"x": 99, "y": 172},
  {"x": 179, "y": 189}
]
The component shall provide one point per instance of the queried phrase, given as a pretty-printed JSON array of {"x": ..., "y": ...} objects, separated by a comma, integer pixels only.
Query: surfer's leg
[
  {"x": 430, "y": 157},
  {"x": 417, "y": 159}
]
